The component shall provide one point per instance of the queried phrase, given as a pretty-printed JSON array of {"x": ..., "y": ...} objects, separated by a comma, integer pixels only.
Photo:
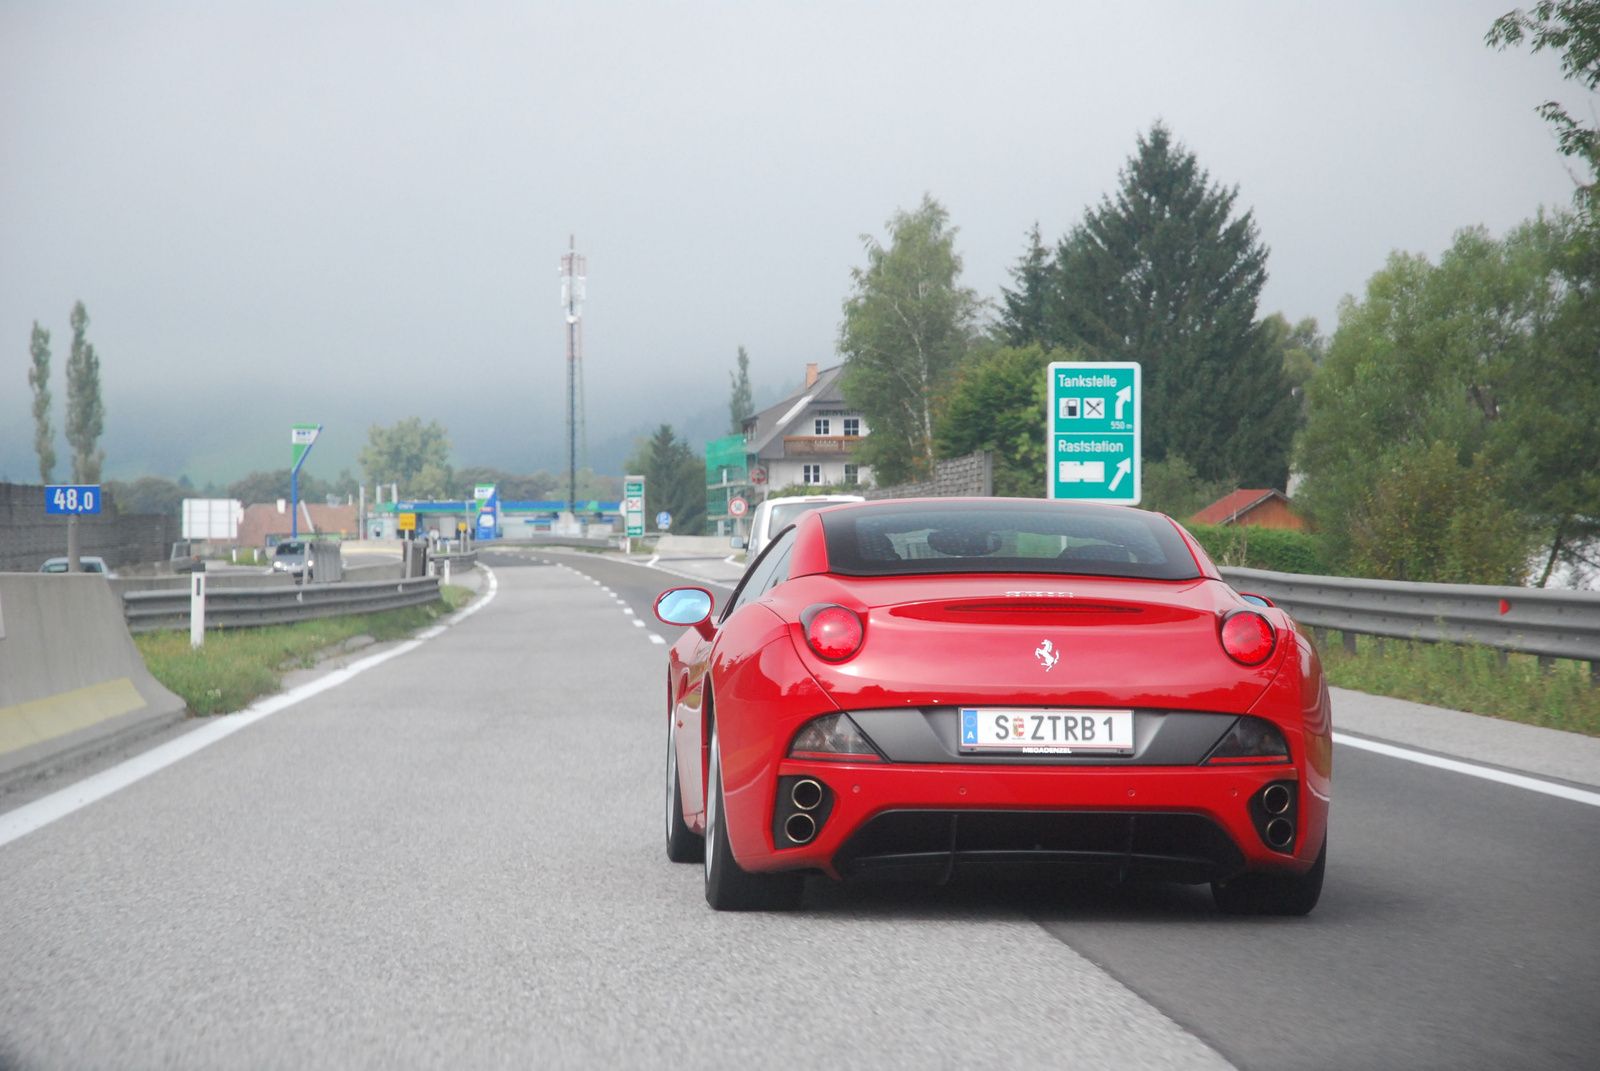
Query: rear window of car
[{"x": 1016, "y": 536}]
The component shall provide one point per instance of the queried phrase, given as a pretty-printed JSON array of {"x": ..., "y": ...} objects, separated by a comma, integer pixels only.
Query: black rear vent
[{"x": 937, "y": 844}]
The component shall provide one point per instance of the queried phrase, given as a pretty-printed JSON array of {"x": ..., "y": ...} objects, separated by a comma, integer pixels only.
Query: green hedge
[{"x": 1278, "y": 549}]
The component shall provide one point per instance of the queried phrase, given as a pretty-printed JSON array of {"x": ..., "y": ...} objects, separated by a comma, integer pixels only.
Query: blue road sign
[
  {"x": 72, "y": 498},
  {"x": 663, "y": 520}
]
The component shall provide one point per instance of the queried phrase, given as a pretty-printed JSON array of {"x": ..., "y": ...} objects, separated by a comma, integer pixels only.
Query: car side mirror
[
  {"x": 1259, "y": 600},
  {"x": 737, "y": 542},
  {"x": 687, "y": 608}
]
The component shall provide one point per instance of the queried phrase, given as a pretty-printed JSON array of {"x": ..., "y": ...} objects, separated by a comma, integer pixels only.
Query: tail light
[
  {"x": 1248, "y": 637},
  {"x": 832, "y": 736},
  {"x": 833, "y": 632}
]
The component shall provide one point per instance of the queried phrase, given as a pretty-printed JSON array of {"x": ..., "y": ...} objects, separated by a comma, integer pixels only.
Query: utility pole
[{"x": 574, "y": 272}]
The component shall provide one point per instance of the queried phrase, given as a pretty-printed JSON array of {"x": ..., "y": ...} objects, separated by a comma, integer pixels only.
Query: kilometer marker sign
[{"x": 1093, "y": 432}]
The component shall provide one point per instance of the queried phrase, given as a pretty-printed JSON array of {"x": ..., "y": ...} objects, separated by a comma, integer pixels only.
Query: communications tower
[{"x": 574, "y": 272}]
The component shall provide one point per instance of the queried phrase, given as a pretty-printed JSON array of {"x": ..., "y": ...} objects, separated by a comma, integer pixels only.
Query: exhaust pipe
[
  {"x": 1280, "y": 832},
  {"x": 800, "y": 828},
  {"x": 1276, "y": 799},
  {"x": 806, "y": 795}
]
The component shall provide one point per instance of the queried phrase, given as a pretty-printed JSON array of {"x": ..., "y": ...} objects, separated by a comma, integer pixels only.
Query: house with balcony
[{"x": 809, "y": 438}]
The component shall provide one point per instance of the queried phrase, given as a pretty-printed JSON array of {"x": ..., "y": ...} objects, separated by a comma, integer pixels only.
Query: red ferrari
[{"x": 933, "y": 687}]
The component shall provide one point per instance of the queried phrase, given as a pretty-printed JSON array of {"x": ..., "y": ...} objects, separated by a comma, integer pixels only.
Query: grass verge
[
  {"x": 238, "y": 666},
  {"x": 1470, "y": 678}
]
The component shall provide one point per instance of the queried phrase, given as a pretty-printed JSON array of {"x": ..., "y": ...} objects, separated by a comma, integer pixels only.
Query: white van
[{"x": 776, "y": 514}]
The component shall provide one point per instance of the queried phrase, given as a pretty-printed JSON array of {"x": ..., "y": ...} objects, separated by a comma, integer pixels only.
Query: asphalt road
[{"x": 454, "y": 859}]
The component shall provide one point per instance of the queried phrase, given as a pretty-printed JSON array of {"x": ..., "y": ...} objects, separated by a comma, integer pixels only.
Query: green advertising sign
[
  {"x": 301, "y": 436},
  {"x": 1093, "y": 432}
]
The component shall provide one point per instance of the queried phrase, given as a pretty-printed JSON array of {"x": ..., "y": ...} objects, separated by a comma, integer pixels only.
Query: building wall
[
  {"x": 29, "y": 535},
  {"x": 263, "y": 520},
  {"x": 782, "y": 473}
]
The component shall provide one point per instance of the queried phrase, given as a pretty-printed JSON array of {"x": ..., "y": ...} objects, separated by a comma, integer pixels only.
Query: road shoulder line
[
  {"x": 41, "y": 812},
  {"x": 1487, "y": 773}
]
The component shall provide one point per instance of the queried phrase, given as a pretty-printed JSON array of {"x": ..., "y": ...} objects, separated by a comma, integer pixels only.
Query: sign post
[
  {"x": 72, "y": 500},
  {"x": 633, "y": 505},
  {"x": 301, "y": 438},
  {"x": 1094, "y": 433},
  {"x": 488, "y": 498}
]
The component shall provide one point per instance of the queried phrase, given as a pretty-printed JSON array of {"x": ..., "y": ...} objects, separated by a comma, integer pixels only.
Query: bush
[{"x": 1282, "y": 550}]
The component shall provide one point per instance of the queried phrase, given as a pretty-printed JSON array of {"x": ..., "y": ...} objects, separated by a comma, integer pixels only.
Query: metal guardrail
[
  {"x": 458, "y": 559},
  {"x": 1538, "y": 621},
  {"x": 147, "y": 611},
  {"x": 582, "y": 542}
]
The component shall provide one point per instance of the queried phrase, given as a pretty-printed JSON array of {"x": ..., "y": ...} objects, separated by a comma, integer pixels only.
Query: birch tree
[{"x": 907, "y": 325}]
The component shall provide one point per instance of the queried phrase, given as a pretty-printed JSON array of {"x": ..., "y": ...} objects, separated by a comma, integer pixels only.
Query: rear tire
[
  {"x": 728, "y": 886},
  {"x": 1272, "y": 894},
  {"x": 684, "y": 845}
]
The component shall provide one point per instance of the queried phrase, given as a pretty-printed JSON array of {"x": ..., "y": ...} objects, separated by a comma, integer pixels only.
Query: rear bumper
[{"x": 1189, "y": 823}]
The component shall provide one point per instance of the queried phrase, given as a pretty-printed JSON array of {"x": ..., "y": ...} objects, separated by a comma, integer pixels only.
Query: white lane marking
[
  {"x": 1488, "y": 773},
  {"x": 732, "y": 559},
  {"x": 637, "y": 623},
  {"x": 657, "y": 639},
  {"x": 651, "y": 564},
  {"x": 653, "y": 559},
  {"x": 41, "y": 812}
]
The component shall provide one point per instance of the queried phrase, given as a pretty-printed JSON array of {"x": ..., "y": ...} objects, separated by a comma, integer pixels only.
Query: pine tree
[
  {"x": 1165, "y": 275},
  {"x": 741, "y": 404},
  {"x": 44, "y": 435},
  {"x": 86, "y": 413},
  {"x": 1022, "y": 319},
  {"x": 674, "y": 480}
]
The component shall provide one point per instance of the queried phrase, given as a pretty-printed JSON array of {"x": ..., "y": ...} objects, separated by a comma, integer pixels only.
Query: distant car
[
  {"x": 184, "y": 560},
  {"x": 292, "y": 557},
  {"x": 87, "y": 562},
  {"x": 931, "y": 687},
  {"x": 776, "y": 514}
]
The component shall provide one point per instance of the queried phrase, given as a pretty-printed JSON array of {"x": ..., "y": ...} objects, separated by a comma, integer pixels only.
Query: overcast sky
[{"x": 351, "y": 214}]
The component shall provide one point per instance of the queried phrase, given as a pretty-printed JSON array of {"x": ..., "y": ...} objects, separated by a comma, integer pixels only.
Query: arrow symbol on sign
[
  {"x": 1124, "y": 466},
  {"x": 1124, "y": 396}
]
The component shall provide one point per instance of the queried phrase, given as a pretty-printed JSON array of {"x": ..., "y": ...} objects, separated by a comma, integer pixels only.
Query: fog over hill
[{"x": 353, "y": 213}]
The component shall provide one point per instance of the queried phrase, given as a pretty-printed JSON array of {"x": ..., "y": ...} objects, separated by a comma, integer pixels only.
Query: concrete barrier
[
  {"x": 124, "y": 584},
  {"x": 71, "y": 681},
  {"x": 687, "y": 546}
]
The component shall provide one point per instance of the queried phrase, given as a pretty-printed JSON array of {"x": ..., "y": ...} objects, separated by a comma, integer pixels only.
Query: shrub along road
[{"x": 455, "y": 859}]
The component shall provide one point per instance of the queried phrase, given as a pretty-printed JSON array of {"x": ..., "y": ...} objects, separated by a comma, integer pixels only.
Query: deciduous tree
[
  {"x": 86, "y": 413},
  {"x": 907, "y": 326},
  {"x": 997, "y": 402},
  {"x": 1423, "y": 370},
  {"x": 413, "y": 454},
  {"x": 1572, "y": 28},
  {"x": 44, "y": 434}
]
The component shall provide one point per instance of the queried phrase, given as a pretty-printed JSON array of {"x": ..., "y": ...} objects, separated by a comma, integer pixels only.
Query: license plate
[{"x": 1046, "y": 732}]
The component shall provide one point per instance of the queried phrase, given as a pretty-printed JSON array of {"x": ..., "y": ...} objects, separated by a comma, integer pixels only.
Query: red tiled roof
[{"x": 1228, "y": 507}]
